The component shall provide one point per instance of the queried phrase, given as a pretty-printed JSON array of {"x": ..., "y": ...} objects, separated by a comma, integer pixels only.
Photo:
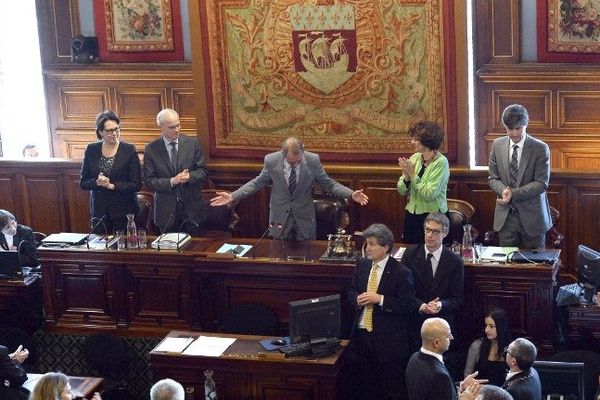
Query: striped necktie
[
  {"x": 514, "y": 166},
  {"x": 371, "y": 288},
  {"x": 292, "y": 180}
]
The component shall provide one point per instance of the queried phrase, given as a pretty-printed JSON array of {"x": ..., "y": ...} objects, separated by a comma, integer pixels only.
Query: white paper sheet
[
  {"x": 208, "y": 346},
  {"x": 494, "y": 253},
  {"x": 234, "y": 249},
  {"x": 174, "y": 345},
  {"x": 399, "y": 253}
]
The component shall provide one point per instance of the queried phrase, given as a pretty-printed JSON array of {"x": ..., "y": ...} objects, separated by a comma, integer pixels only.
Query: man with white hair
[
  {"x": 174, "y": 168},
  {"x": 167, "y": 389}
]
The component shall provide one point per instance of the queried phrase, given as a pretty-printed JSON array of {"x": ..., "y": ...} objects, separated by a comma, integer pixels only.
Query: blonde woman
[{"x": 55, "y": 386}]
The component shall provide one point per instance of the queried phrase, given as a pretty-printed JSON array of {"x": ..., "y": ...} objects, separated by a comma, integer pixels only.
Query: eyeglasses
[
  {"x": 505, "y": 352},
  {"x": 111, "y": 131},
  {"x": 435, "y": 232}
]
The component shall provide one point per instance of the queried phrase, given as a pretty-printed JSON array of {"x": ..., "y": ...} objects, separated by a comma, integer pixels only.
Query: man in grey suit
[
  {"x": 175, "y": 170},
  {"x": 292, "y": 173},
  {"x": 519, "y": 172}
]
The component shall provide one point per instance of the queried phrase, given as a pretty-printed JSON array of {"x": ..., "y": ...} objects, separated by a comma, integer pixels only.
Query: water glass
[
  {"x": 143, "y": 240},
  {"x": 120, "y": 240},
  {"x": 478, "y": 247}
]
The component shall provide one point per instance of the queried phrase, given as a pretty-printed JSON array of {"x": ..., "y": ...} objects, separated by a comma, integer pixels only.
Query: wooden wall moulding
[
  {"x": 537, "y": 102},
  {"x": 349, "y": 87},
  {"x": 58, "y": 23},
  {"x": 506, "y": 38},
  {"x": 81, "y": 104}
]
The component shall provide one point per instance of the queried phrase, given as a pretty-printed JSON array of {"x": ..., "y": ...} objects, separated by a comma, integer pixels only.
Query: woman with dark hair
[
  {"x": 424, "y": 179},
  {"x": 111, "y": 172},
  {"x": 55, "y": 386},
  {"x": 486, "y": 353}
]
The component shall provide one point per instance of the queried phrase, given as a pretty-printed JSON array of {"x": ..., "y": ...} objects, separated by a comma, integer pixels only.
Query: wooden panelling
[
  {"x": 505, "y": 31},
  {"x": 537, "y": 102},
  {"x": 183, "y": 100},
  {"x": 575, "y": 110},
  {"x": 138, "y": 106},
  {"x": 49, "y": 214},
  {"x": 8, "y": 194},
  {"x": 58, "y": 22},
  {"x": 82, "y": 104}
]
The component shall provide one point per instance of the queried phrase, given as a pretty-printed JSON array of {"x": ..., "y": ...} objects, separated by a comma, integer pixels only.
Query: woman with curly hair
[{"x": 424, "y": 179}]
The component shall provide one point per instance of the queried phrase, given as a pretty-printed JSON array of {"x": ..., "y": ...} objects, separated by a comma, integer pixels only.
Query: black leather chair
[
  {"x": 591, "y": 369},
  {"x": 106, "y": 354},
  {"x": 220, "y": 221},
  {"x": 461, "y": 213},
  {"x": 250, "y": 319},
  {"x": 38, "y": 237},
  {"x": 145, "y": 215},
  {"x": 331, "y": 213}
]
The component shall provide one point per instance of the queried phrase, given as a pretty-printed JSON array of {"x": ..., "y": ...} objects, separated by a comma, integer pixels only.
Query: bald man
[
  {"x": 427, "y": 377},
  {"x": 292, "y": 173}
]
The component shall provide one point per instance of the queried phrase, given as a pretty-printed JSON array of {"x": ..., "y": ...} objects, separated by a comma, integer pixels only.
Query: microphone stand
[
  {"x": 162, "y": 233},
  {"x": 259, "y": 239},
  {"x": 94, "y": 226},
  {"x": 182, "y": 226},
  {"x": 282, "y": 230}
]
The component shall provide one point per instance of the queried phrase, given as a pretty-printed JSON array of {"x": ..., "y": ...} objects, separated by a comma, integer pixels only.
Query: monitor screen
[
  {"x": 588, "y": 271},
  {"x": 314, "y": 319},
  {"x": 564, "y": 379}
]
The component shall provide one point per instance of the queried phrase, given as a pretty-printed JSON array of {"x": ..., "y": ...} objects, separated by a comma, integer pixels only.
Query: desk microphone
[
  {"x": 259, "y": 239},
  {"x": 94, "y": 226},
  {"x": 162, "y": 233},
  {"x": 282, "y": 230},
  {"x": 182, "y": 225}
]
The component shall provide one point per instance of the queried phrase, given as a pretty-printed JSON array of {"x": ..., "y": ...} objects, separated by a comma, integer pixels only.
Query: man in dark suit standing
[
  {"x": 522, "y": 380},
  {"x": 519, "y": 174},
  {"x": 18, "y": 237},
  {"x": 292, "y": 172},
  {"x": 12, "y": 374},
  {"x": 382, "y": 292},
  {"x": 438, "y": 275},
  {"x": 427, "y": 377},
  {"x": 174, "y": 168}
]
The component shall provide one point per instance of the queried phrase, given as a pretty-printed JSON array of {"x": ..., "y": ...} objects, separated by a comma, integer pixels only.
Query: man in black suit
[
  {"x": 382, "y": 292},
  {"x": 438, "y": 275},
  {"x": 12, "y": 374},
  {"x": 18, "y": 237},
  {"x": 427, "y": 377},
  {"x": 522, "y": 380},
  {"x": 174, "y": 168}
]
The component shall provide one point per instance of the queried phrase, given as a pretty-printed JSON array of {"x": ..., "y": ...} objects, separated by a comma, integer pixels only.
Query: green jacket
[{"x": 427, "y": 194}]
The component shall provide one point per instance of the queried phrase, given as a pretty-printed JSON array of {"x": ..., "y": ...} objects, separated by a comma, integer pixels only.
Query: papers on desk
[
  {"x": 170, "y": 240},
  {"x": 174, "y": 344},
  {"x": 65, "y": 238},
  {"x": 238, "y": 249},
  {"x": 498, "y": 254},
  {"x": 102, "y": 242},
  {"x": 208, "y": 346},
  {"x": 399, "y": 253}
]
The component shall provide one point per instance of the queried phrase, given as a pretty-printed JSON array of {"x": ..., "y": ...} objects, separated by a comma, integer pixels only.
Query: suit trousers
[
  {"x": 513, "y": 234},
  {"x": 372, "y": 379}
]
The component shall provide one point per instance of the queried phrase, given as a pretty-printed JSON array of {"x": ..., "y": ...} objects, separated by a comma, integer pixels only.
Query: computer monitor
[
  {"x": 564, "y": 379},
  {"x": 588, "y": 272},
  {"x": 315, "y": 319}
]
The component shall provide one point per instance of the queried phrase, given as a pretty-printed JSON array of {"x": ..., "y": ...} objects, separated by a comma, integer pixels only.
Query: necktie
[
  {"x": 371, "y": 288},
  {"x": 174, "y": 155},
  {"x": 429, "y": 267},
  {"x": 292, "y": 180},
  {"x": 514, "y": 166}
]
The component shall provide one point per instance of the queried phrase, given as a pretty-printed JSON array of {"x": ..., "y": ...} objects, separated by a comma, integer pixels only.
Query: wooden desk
[
  {"x": 583, "y": 316},
  {"x": 21, "y": 303},
  {"x": 247, "y": 371},
  {"x": 151, "y": 293},
  {"x": 81, "y": 386}
]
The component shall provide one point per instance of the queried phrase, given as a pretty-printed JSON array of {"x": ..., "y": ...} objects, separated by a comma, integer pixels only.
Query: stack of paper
[
  {"x": 209, "y": 346},
  {"x": 170, "y": 240},
  {"x": 499, "y": 254},
  {"x": 238, "y": 249},
  {"x": 174, "y": 345}
]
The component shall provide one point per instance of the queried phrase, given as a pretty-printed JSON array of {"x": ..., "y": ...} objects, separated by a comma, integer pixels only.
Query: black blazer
[
  {"x": 125, "y": 175},
  {"x": 14, "y": 373},
  {"x": 29, "y": 256},
  {"x": 448, "y": 283},
  {"x": 158, "y": 173},
  {"x": 390, "y": 322},
  {"x": 524, "y": 385},
  {"x": 427, "y": 379}
]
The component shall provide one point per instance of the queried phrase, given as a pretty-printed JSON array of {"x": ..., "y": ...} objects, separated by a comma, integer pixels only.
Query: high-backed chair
[
  {"x": 331, "y": 213},
  {"x": 144, "y": 217},
  {"x": 220, "y": 221},
  {"x": 38, "y": 237},
  {"x": 461, "y": 213},
  {"x": 554, "y": 239}
]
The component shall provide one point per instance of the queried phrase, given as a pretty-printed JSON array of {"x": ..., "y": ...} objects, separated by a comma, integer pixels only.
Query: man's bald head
[{"x": 436, "y": 335}]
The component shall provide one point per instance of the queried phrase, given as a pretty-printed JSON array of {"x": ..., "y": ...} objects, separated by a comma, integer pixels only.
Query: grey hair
[
  {"x": 515, "y": 116},
  {"x": 167, "y": 389},
  {"x": 293, "y": 145},
  {"x": 6, "y": 218},
  {"x": 524, "y": 352},
  {"x": 438, "y": 218},
  {"x": 382, "y": 234},
  {"x": 491, "y": 392},
  {"x": 162, "y": 114}
]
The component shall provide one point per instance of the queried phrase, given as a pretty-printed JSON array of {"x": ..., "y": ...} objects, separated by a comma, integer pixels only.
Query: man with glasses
[
  {"x": 174, "y": 168},
  {"x": 438, "y": 275},
  {"x": 15, "y": 236},
  {"x": 522, "y": 380}
]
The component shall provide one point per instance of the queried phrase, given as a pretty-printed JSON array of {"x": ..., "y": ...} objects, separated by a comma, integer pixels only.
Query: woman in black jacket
[{"x": 111, "y": 172}]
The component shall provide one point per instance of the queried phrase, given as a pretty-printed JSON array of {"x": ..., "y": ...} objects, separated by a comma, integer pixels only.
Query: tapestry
[
  {"x": 349, "y": 77},
  {"x": 574, "y": 26}
]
